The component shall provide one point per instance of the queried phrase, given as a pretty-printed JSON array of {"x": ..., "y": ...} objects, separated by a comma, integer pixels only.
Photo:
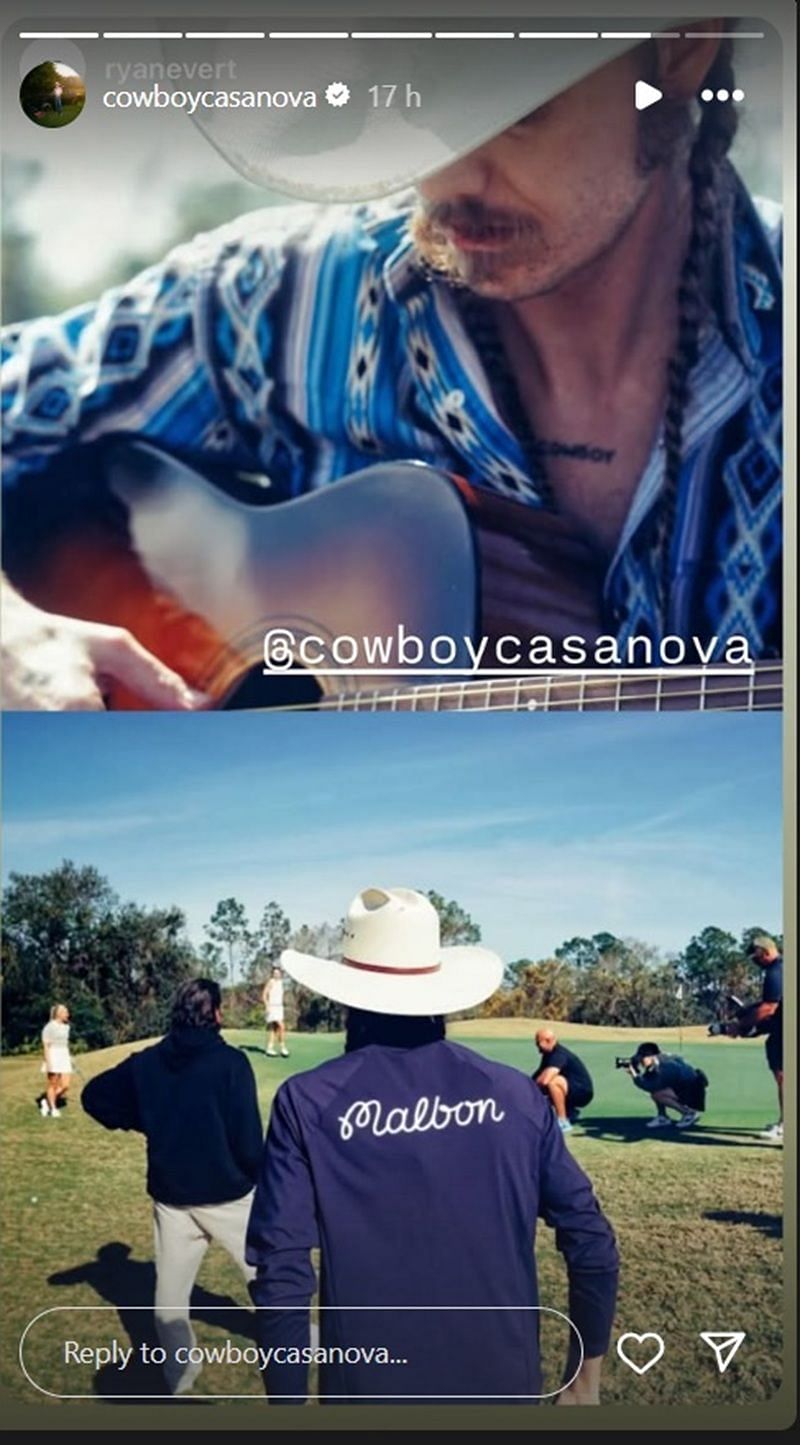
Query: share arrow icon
[{"x": 724, "y": 1344}]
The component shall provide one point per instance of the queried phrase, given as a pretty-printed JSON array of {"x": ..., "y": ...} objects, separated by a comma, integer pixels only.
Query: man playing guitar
[{"x": 580, "y": 316}]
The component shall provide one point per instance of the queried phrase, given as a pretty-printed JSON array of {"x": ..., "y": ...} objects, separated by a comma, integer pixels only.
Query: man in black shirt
[
  {"x": 194, "y": 1099},
  {"x": 563, "y": 1077}
]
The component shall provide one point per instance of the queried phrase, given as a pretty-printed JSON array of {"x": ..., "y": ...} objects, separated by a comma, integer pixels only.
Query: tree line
[
  {"x": 68, "y": 937},
  {"x": 628, "y": 983}
]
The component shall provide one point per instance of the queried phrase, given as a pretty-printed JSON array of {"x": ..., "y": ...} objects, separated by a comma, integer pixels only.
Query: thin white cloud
[{"x": 58, "y": 832}]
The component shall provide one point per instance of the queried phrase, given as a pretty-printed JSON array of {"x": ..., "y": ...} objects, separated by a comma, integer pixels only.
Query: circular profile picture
[{"x": 52, "y": 94}]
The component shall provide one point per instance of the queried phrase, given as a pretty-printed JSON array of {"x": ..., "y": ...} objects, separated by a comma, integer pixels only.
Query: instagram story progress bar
[
  {"x": 659, "y": 29},
  {"x": 346, "y": 112}
]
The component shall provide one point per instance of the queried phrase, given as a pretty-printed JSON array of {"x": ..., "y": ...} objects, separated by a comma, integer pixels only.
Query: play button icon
[{"x": 646, "y": 95}]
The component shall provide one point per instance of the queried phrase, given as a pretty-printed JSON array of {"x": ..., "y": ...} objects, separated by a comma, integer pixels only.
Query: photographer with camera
[
  {"x": 765, "y": 1017},
  {"x": 671, "y": 1083}
]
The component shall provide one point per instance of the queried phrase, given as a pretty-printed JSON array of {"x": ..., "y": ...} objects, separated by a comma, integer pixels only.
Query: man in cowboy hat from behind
[{"x": 420, "y": 1170}]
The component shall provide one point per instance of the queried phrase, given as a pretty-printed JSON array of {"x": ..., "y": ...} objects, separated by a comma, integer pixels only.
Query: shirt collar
[
  {"x": 747, "y": 282},
  {"x": 452, "y": 382},
  {"x": 748, "y": 274},
  {"x": 402, "y": 274}
]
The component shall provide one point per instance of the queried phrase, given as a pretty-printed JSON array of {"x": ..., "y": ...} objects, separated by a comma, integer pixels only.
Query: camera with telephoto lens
[
  {"x": 625, "y": 1063},
  {"x": 734, "y": 1009}
]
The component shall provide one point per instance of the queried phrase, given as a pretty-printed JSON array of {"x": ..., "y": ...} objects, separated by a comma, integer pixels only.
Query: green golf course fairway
[{"x": 697, "y": 1215}]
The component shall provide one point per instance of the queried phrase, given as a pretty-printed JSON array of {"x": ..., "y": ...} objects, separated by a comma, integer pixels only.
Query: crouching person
[
  {"x": 564, "y": 1078},
  {"x": 671, "y": 1084},
  {"x": 194, "y": 1099}
]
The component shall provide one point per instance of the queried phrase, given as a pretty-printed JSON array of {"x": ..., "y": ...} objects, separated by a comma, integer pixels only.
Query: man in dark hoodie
[{"x": 194, "y": 1099}]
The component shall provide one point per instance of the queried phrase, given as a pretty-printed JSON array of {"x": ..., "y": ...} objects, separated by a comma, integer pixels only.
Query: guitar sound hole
[{"x": 257, "y": 691}]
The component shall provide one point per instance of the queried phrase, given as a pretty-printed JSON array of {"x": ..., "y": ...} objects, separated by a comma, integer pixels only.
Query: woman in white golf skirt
[
  {"x": 57, "y": 1062},
  {"x": 272, "y": 999}
]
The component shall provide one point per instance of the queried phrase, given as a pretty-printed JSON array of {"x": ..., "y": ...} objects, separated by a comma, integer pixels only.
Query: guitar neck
[{"x": 715, "y": 689}]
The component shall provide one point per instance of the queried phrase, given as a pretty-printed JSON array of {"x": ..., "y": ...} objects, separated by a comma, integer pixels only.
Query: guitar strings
[
  {"x": 561, "y": 705},
  {"x": 715, "y": 686},
  {"x": 504, "y": 707},
  {"x": 608, "y": 702},
  {"x": 714, "y": 683},
  {"x": 431, "y": 699}
]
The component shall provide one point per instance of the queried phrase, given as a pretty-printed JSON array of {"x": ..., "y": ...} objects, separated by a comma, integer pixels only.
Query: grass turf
[
  {"x": 54, "y": 120},
  {"x": 697, "y": 1216}
]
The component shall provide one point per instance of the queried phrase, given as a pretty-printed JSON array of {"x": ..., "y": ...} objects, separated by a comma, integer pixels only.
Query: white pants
[{"x": 182, "y": 1236}]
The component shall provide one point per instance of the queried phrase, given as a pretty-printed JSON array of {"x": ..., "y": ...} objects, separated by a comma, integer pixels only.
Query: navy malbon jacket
[{"x": 420, "y": 1174}]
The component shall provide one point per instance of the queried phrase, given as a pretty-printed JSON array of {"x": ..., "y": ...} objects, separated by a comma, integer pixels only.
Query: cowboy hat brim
[
  {"x": 469, "y": 92},
  {"x": 465, "y": 977}
]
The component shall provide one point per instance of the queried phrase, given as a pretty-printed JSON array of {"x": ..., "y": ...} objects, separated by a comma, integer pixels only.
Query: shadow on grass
[
  {"x": 625, "y": 1130},
  {"x": 253, "y": 1049},
  {"x": 769, "y": 1224},
  {"x": 129, "y": 1284}
]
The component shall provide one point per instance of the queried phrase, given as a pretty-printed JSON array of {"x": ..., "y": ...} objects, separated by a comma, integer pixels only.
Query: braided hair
[
  {"x": 711, "y": 142},
  {"x": 666, "y": 132}
]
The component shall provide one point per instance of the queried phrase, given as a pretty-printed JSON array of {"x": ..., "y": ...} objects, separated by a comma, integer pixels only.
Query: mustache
[{"x": 472, "y": 215}]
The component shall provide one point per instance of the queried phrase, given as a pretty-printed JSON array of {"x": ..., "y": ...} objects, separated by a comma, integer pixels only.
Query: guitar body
[{"x": 200, "y": 577}]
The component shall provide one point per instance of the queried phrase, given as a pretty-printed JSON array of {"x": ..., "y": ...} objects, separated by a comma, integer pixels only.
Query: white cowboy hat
[
  {"x": 469, "y": 91},
  {"x": 393, "y": 961}
]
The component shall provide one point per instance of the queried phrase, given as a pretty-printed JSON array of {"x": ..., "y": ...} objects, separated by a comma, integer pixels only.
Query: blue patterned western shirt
[{"x": 305, "y": 343}]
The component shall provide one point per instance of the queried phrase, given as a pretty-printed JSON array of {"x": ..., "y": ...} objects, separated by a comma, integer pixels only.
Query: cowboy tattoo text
[{"x": 578, "y": 451}]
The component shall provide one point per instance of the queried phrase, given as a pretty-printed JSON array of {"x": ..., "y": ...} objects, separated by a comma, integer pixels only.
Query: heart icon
[{"x": 640, "y": 1339}]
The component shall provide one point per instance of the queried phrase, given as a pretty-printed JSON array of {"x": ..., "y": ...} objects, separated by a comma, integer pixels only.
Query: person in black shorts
[
  {"x": 563, "y": 1077},
  {"x": 766, "y": 1017},
  {"x": 672, "y": 1083}
]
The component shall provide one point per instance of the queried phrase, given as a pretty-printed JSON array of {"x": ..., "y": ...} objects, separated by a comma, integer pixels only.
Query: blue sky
[{"x": 648, "y": 826}]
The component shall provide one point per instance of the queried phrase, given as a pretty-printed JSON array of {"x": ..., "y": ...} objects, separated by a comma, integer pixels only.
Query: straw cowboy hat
[
  {"x": 393, "y": 961},
  {"x": 468, "y": 90}
]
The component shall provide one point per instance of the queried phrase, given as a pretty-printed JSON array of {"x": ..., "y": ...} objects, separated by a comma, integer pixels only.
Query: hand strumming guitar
[{"x": 56, "y": 664}]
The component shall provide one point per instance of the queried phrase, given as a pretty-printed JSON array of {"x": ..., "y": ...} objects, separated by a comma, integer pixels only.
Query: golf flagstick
[{"x": 679, "y": 997}]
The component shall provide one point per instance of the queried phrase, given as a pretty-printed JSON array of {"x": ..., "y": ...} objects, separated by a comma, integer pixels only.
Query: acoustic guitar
[{"x": 201, "y": 573}]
